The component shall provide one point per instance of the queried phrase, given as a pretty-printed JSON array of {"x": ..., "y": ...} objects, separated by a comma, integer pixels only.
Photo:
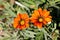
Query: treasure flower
[
  {"x": 40, "y": 17},
  {"x": 21, "y": 21}
]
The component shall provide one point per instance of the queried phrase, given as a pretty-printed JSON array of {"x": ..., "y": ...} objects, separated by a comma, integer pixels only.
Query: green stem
[{"x": 46, "y": 34}]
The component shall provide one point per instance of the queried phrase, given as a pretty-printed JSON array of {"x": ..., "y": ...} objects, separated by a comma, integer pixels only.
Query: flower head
[
  {"x": 40, "y": 17},
  {"x": 21, "y": 21}
]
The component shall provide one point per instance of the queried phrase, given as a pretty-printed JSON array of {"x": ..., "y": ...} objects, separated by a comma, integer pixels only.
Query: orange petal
[
  {"x": 39, "y": 25},
  {"x": 35, "y": 13},
  {"x": 40, "y": 11},
  {"x": 33, "y": 20},
  {"x": 24, "y": 16},
  {"x": 49, "y": 16},
  {"x": 16, "y": 22},
  {"x": 16, "y": 19},
  {"x": 44, "y": 22},
  {"x": 15, "y": 25},
  {"x": 27, "y": 25},
  {"x": 18, "y": 16},
  {"x": 27, "y": 22},
  {"x": 47, "y": 19},
  {"x": 45, "y": 13},
  {"x": 22, "y": 27}
]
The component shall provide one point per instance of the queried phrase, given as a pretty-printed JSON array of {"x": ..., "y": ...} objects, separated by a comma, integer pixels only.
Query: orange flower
[
  {"x": 40, "y": 17},
  {"x": 21, "y": 21}
]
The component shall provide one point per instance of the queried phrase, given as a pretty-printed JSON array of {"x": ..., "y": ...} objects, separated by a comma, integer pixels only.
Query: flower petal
[
  {"x": 33, "y": 20},
  {"x": 35, "y": 13},
  {"x": 44, "y": 22},
  {"x": 22, "y": 27},
  {"x": 45, "y": 13},
  {"x": 24, "y": 16},
  {"x": 40, "y": 11},
  {"x": 15, "y": 25},
  {"x": 39, "y": 25},
  {"x": 47, "y": 19}
]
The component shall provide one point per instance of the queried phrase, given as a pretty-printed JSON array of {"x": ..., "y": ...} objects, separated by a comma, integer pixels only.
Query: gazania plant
[
  {"x": 41, "y": 17},
  {"x": 21, "y": 21},
  {"x": 29, "y": 20}
]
